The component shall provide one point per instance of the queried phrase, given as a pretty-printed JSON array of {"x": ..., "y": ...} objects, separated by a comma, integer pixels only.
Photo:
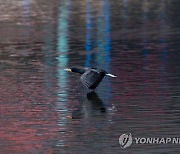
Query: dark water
[{"x": 137, "y": 40}]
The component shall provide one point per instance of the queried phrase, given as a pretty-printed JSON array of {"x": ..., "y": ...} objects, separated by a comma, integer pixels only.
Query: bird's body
[{"x": 90, "y": 78}]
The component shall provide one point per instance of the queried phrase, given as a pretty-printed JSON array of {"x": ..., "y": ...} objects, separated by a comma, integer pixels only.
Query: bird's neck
[{"x": 80, "y": 71}]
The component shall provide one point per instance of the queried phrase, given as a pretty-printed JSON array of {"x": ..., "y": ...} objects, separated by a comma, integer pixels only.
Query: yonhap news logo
[{"x": 126, "y": 139}]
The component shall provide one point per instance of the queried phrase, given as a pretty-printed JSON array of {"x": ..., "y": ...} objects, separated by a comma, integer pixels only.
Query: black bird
[{"x": 91, "y": 77}]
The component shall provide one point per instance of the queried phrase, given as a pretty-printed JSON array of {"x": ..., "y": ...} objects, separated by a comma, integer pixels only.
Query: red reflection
[{"x": 28, "y": 121}]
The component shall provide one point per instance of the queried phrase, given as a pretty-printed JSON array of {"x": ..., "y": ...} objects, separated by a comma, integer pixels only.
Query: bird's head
[
  {"x": 68, "y": 69},
  {"x": 71, "y": 69}
]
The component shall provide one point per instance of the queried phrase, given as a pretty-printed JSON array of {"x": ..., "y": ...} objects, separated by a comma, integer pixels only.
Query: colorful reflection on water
[{"x": 40, "y": 111}]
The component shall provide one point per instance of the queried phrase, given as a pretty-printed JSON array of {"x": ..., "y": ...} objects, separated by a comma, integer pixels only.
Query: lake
[{"x": 136, "y": 40}]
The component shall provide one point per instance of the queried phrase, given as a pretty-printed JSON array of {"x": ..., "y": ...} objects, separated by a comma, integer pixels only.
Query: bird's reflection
[
  {"x": 88, "y": 104},
  {"x": 96, "y": 101}
]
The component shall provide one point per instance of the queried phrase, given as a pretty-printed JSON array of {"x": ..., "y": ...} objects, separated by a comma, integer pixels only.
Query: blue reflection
[
  {"x": 144, "y": 29},
  {"x": 125, "y": 9},
  {"x": 144, "y": 37},
  {"x": 107, "y": 33},
  {"x": 125, "y": 5},
  {"x": 103, "y": 40},
  {"x": 103, "y": 36},
  {"x": 88, "y": 43},
  {"x": 163, "y": 21},
  {"x": 63, "y": 47},
  {"x": 163, "y": 31}
]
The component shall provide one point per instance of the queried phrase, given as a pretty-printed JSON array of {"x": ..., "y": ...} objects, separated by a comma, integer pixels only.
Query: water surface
[{"x": 40, "y": 111}]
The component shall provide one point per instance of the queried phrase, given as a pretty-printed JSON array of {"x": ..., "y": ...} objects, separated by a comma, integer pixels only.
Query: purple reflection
[{"x": 26, "y": 10}]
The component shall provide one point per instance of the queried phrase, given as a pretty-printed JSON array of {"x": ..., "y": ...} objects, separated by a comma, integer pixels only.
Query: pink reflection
[{"x": 28, "y": 115}]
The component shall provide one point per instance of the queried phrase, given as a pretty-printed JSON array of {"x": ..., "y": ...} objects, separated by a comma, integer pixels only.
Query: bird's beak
[{"x": 68, "y": 69}]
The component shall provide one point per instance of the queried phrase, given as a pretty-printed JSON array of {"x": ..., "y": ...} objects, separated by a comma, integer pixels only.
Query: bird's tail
[{"x": 111, "y": 75}]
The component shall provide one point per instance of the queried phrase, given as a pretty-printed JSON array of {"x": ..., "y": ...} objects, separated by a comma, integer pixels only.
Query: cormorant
[{"x": 91, "y": 77}]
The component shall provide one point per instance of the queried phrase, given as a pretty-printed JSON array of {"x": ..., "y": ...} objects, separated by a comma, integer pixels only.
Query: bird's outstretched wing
[{"x": 91, "y": 79}]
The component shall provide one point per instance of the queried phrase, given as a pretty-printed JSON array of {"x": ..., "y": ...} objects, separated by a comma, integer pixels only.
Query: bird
[{"x": 90, "y": 77}]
